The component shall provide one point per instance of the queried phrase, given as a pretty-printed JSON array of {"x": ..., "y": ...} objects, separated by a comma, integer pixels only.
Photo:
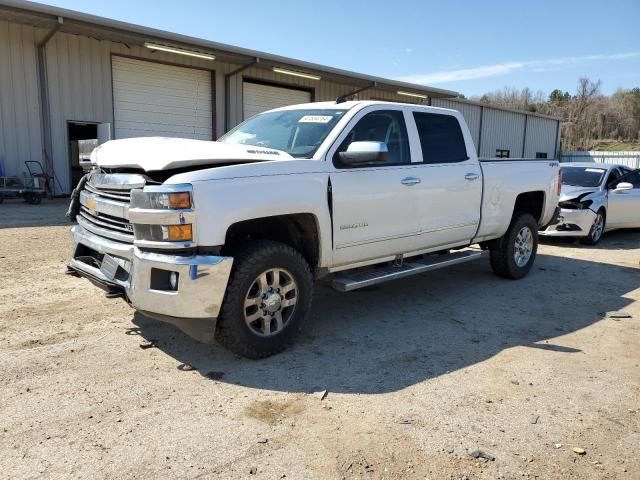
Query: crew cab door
[
  {"x": 375, "y": 207},
  {"x": 450, "y": 191},
  {"x": 624, "y": 206}
]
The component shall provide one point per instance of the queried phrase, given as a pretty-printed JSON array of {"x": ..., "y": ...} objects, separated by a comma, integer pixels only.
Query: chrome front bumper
[
  {"x": 201, "y": 286},
  {"x": 571, "y": 223}
]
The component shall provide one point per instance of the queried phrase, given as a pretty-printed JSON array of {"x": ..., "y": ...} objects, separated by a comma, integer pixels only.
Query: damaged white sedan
[{"x": 596, "y": 198}]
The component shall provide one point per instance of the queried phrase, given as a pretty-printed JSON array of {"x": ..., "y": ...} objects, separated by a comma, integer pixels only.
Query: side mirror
[
  {"x": 623, "y": 187},
  {"x": 361, "y": 153}
]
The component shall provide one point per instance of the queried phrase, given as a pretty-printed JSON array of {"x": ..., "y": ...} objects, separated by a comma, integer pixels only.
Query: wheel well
[
  {"x": 299, "y": 231},
  {"x": 530, "y": 202}
]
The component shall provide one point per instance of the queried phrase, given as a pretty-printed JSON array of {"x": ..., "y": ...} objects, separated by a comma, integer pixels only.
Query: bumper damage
[
  {"x": 192, "y": 304},
  {"x": 571, "y": 223}
]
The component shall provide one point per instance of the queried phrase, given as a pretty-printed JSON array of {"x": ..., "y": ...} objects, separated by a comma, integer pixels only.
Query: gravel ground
[{"x": 419, "y": 373}]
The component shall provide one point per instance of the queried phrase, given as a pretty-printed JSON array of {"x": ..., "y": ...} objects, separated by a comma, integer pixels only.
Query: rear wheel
[
  {"x": 513, "y": 255},
  {"x": 597, "y": 229},
  {"x": 268, "y": 299}
]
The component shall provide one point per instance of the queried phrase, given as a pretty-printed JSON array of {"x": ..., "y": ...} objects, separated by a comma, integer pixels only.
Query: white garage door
[
  {"x": 152, "y": 99},
  {"x": 259, "y": 98}
]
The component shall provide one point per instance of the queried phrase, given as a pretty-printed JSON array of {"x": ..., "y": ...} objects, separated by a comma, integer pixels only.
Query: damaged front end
[
  {"x": 138, "y": 240},
  {"x": 577, "y": 214}
]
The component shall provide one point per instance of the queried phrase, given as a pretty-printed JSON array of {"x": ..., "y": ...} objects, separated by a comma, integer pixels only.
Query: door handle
[
  {"x": 471, "y": 176},
  {"x": 409, "y": 181}
]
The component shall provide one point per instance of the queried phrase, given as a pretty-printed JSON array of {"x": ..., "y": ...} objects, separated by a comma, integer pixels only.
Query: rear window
[{"x": 440, "y": 137}]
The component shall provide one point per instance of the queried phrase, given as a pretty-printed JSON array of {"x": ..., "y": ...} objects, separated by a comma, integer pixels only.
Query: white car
[
  {"x": 226, "y": 238},
  {"x": 596, "y": 198}
]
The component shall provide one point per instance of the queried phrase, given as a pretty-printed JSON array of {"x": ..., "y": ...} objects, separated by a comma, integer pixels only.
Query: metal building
[{"x": 67, "y": 78}]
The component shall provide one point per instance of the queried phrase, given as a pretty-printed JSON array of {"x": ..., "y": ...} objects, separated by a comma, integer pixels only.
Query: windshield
[
  {"x": 297, "y": 132},
  {"x": 582, "y": 176}
]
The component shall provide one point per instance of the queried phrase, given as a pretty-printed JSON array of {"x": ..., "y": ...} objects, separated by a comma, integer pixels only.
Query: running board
[{"x": 373, "y": 276}]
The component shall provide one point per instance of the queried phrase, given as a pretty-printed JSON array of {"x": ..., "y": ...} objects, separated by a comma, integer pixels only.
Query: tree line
[{"x": 588, "y": 116}]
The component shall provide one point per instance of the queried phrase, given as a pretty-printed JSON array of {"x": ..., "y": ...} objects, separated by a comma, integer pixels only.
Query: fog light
[{"x": 173, "y": 280}]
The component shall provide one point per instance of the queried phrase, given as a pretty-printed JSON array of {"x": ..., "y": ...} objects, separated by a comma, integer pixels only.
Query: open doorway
[{"x": 83, "y": 138}]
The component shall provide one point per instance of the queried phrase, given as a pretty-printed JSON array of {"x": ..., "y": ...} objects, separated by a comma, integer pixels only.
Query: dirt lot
[{"x": 419, "y": 374}]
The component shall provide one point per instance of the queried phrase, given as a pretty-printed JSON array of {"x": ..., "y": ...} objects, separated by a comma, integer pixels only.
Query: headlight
[
  {"x": 576, "y": 204},
  {"x": 161, "y": 200},
  {"x": 163, "y": 215}
]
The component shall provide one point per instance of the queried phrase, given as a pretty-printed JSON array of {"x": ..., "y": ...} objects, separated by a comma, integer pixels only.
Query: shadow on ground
[
  {"x": 626, "y": 239},
  {"x": 16, "y": 213},
  {"x": 388, "y": 337}
]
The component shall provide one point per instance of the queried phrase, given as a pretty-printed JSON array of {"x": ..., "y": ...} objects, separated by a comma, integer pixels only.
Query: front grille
[
  {"x": 107, "y": 221},
  {"x": 123, "y": 195},
  {"x": 105, "y": 205}
]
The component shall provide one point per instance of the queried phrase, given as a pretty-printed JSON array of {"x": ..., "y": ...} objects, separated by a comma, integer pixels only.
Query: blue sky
[{"x": 468, "y": 46}]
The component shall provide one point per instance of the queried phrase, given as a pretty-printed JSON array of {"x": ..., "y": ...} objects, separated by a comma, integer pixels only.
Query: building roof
[
  {"x": 504, "y": 109},
  {"x": 45, "y": 16}
]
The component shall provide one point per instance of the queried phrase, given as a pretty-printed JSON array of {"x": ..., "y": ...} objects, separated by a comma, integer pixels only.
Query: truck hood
[{"x": 162, "y": 153}]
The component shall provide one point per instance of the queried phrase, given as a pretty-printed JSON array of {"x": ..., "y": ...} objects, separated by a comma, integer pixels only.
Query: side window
[
  {"x": 633, "y": 178},
  {"x": 501, "y": 153},
  {"x": 385, "y": 126},
  {"x": 440, "y": 137},
  {"x": 541, "y": 154},
  {"x": 614, "y": 176}
]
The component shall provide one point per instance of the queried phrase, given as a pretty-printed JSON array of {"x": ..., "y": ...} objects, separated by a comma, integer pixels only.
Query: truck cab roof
[{"x": 348, "y": 105}]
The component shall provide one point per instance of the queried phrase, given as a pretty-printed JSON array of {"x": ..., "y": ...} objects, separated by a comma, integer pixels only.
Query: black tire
[
  {"x": 232, "y": 331},
  {"x": 33, "y": 198},
  {"x": 502, "y": 253},
  {"x": 594, "y": 236}
]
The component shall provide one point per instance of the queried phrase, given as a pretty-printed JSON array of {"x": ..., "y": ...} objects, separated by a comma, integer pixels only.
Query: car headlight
[
  {"x": 161, "y": 200},
  {"x": 576, "y": 204},
  {"x": 163, "y": 214}
]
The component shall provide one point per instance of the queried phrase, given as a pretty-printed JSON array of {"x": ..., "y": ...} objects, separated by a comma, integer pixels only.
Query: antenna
[{"x": 341, "y": 99}]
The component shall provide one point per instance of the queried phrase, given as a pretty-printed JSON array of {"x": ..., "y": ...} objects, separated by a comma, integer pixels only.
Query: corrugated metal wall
[
  {"x": 321, "y": 90},
  {"x": 80, "y": 89},
  {"x": 20, "y": 132},
  {"x": 541, "y": 137},
  {"x": 80, "y": 86},
  {"x": 471, "y": 114},
  {"x": 501, "y": 130},
  {"x": 504, "y": 130}
]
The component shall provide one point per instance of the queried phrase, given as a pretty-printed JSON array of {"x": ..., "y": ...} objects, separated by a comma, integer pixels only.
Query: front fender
[{"x": 221, "y": 203}]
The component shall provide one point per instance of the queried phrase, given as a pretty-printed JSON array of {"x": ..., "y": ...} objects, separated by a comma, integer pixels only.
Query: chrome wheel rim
[
  {"x": 523, "y": 247},
  {"x": 597, "y": 228},
  {"x": 270, "y": 302}
]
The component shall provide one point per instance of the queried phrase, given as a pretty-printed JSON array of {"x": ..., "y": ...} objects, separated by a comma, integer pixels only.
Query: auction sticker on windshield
[
  {"x": 316, "y": 119},
  {"x": 594, "y": 170}
]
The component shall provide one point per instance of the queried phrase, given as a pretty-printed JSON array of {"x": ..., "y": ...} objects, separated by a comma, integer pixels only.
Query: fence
[{"x": 630, "y": 159}]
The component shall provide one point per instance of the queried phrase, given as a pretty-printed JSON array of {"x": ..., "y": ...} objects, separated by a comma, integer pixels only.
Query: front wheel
[
  {"x": 268, "y": 299},
  {"x": 513, "y": 255},
  {"x": 596, "y": 231}
]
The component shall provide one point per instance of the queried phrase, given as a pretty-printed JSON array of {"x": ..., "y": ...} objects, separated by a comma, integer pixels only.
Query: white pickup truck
[{"x": 225, "y": 239}]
